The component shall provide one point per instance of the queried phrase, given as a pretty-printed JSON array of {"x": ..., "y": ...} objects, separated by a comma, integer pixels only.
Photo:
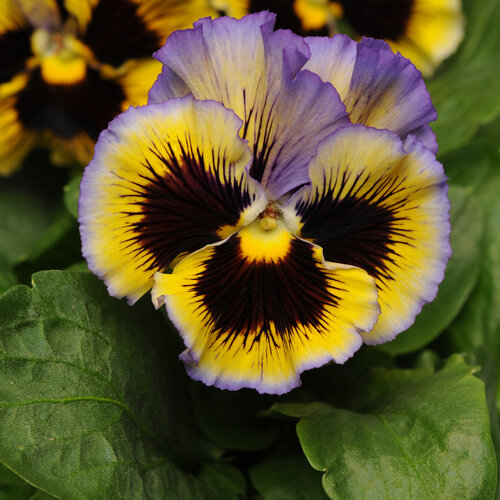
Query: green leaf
[
  {"x": 290, "y": 478},
  {"x": 57, "y": 247},
  {"x": 12, "y": 487},
  {"x": 476, "y": 168},
  {"x": 24, "y": 215},
  {"x": 477, "y": 328},
  {"x": 28, "y": 207},
  {"x": 229, "y": 419},
  {"x": 426, "y": 437},
  {"x": 465, "y": 92},
  {"x": 7, "y": 276},
  {"x": 461, "y": 275},
  {"x": 93, "y": 401},
  {"x": 71, "y": 195},
  {"x": 222, "y": 481}
]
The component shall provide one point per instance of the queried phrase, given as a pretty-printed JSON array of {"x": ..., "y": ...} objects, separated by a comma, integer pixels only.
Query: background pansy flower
[
  {"x": 292, "y": 234},
  {"x": 304, "y": 17},
  {"x": 69, "y": 66},
  {"x": 425, "y": 31}
]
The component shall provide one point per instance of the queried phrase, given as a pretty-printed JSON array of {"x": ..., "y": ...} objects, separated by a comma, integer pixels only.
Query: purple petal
[{"x": 379, "y": 88}]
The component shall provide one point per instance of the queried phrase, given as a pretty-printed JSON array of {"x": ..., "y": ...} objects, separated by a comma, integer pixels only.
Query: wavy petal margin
[
  {"x": 261, "y": 307},
  {"x": 381, "y": 207},
  {"x": 379, "y": 88}
]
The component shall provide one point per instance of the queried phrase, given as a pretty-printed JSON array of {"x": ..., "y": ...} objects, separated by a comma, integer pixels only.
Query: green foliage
[
  {"x": 466, "y": 218},
  {"x": 94, "y": 403},
  {"x": 465, "y": 90},
  {"x": 289, "y": 478},
  {"x": 71, "y": 195},
  {"x": 12, "y": 487},
  {"x": 426, "y": 435}
]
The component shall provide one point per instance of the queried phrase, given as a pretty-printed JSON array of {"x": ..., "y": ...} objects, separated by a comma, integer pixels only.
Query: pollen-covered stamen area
[
  {"x": 268, "y": 217},
  {"x": 378, "y": 18},
  {"x": 180, "y": 204},
  {"x": 266, "y": 294},
  {"x": 262, "y": 306},
  {"x": 61, "y": 56}
]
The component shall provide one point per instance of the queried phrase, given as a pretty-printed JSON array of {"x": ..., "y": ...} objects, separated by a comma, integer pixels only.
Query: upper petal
[
  {"x": 15, "y": 43},
  {"x": 165, "y": 179},
  {"x": 379, "y": 88},
  {"x": 256, "y": 72},
  {"x": 383, "y": 207},
  {"x": 261, "y": 307}
]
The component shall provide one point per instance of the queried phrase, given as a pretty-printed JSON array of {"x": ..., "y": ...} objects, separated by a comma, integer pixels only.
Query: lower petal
[
  {"x": 261, "y": 307},
  {"x": 381, "y": 207}
]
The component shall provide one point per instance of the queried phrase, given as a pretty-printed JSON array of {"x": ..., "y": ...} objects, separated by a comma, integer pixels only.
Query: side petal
[
  {"x": 11, "y": 16},
  {"x": 285, "y": 112},
  {"x": 384, "y": 90},
  {"x": 375, "y": 205},
  {"x": 15, "y": 140},
  {"x": 261, "y": 307},
  {"x": 137, "y": 80},
  {"x": 15, "y": 40},
  {"x": 165, "y": 179}
]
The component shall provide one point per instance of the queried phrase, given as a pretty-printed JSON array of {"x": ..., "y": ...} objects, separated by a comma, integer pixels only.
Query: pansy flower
[
  {"x": 69, "y": 66},
  {"x": 425, "y": 31},
  {"x": 278, "y": 194}
]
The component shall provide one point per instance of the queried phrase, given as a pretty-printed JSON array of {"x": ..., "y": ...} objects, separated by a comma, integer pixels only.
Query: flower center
[
  {"x": 61, "y": 56},
  {"x": 268, "y": 217}
]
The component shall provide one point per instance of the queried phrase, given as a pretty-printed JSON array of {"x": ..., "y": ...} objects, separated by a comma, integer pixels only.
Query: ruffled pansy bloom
[
  {"x": 280, "y": 196},
  {"x": 69, "y": 66}
]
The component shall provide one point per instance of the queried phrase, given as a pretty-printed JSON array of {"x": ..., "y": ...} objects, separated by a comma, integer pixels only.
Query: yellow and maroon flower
[
  {"x": 425, "y": 31},
  {"x": 69, "y": 66},
  {"x": 279, "y": 195}
]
